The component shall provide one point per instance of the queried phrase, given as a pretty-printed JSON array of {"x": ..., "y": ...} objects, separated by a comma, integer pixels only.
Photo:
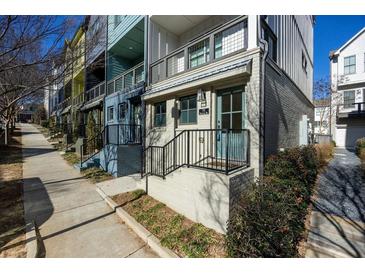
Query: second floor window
[
  {"x": 199, "y": 53},
  {"x": 268, "y": 35},
  {"x": 188, "y": 110},
  {"x": 110, "y": 113},
  {"x": 230, "y": 40},
  {"x": 348, "y": 99},
  {"x": 350, "y": 64},
  {"x": 160, "y": 114}
]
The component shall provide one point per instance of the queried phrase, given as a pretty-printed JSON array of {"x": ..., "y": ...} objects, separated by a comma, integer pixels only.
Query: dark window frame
[
  {"x": 349, "y": 65},
  {"x": 188, "y": 110},
  {"x": 267, "y": 34},
  {"x": 158, "y": 112}
]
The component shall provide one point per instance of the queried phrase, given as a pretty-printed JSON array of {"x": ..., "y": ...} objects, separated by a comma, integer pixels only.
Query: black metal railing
[
  {"x": 222, "y": 150},
  {"x": 92, "y": 146},
  {"x": 118, "y": 134},
  {"x": 351, "y": 108}
]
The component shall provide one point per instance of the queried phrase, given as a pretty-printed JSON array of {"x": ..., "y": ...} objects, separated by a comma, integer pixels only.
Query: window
[
  {"x": 199, "y": 53},
  {"x": 304, "y": 62},
  {"x": 110, "y": 113},
  {"x": 188, "y": 110},
  {"x": 268, "y": 35},
  {"x": 123, "y": 109},
  {"x": 350, "y": 64},
  {"x": 230, "y": 40},
  {"x": 160, "y": 114},
  {"x": 348, "y": 99}
]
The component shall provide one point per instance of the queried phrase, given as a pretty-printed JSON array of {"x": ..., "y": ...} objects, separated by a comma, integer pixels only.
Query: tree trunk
[{"x": 6, "y": 134}]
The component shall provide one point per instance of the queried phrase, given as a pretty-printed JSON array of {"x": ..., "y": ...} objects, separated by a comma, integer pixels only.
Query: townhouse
[
  {"x": 224, "y": 93},
  {"x": 348, "y": 91},
  {"x": 196, "y": 103}
]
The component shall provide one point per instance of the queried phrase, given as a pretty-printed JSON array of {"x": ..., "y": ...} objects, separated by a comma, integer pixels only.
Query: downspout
[{"x": 264, "y": 46}]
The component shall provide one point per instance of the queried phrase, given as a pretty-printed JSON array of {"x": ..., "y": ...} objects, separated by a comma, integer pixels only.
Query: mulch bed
[{"x": 176, "y": 232}]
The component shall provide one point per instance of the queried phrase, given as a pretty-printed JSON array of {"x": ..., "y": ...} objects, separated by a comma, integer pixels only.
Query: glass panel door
[{"x": 230, "y": 118}]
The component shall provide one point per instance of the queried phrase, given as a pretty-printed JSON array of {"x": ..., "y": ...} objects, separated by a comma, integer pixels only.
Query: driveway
[
  {"x": 74, "y": 221},
  {"x": 338, "y": 218}
]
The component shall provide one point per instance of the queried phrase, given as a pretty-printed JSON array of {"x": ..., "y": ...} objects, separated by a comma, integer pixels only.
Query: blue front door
[{"x": 231, "y": 119}]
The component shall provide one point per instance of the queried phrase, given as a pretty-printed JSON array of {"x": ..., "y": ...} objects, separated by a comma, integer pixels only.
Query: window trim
[
  {"x": 155, "y": 112},
  {"x": 344, "y": 65},
  {"x": 189, "y": 109}
]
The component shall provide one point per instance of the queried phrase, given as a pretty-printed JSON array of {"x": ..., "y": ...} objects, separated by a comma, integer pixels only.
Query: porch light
[{"x": 201, "y": 96}]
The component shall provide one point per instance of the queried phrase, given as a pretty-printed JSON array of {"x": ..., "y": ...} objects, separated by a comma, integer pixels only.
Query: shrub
[
  {"x": 44, "y": 123},
  {"x": 333, "y": 143},
  {"x": 360, "y": 143},
  {"x": 299, "y": 163},
  {"x": 324, "y": 152},
  {"x": 268, "y": 220}
]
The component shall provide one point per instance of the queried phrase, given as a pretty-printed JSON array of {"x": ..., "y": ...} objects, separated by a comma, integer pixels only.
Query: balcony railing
[
  {"x": 127, "y": 79},
  {"x": 65, "y": 103},
  {"x": 78, "y": 99},
  {"x": 221, "y": 42},
  {"x": 351, "y": 108},
  {"x": 95, "y": 93}
]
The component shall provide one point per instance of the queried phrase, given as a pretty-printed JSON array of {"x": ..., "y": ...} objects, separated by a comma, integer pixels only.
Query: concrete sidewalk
[
  {"x": 338, "y": 217},
  {"x": 74, "y": 221}
]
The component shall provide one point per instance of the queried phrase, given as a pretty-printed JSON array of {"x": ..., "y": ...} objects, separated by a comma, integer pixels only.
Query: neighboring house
[
  {"x": 126, "y": 83},
  {"x": 26, "y": 112},
  {"x": 217, "y": 105},
  {"x": 322, "y": 115},
  {"x": 348, "y": 91},
  {"x": 94, "y": 72}
]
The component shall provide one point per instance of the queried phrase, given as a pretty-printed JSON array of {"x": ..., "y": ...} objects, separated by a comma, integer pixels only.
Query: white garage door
[{"x": 347, "y": 136}]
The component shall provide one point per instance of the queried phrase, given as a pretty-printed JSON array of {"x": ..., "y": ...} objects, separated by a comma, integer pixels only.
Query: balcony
[
  {"x": 351, "y": 110},
  {"x": 219, "y": 43},
  {"x": 127, "y": 80},
  {"x": 95, "y": 93},
  {"x": 78, "y": 99}
]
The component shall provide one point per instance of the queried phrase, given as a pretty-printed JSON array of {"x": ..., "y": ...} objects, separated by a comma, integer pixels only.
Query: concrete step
[{"x": 331, "y": 243}]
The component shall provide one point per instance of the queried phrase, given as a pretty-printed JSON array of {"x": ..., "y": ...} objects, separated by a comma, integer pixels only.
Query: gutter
[{"x": 264, "y": 46}]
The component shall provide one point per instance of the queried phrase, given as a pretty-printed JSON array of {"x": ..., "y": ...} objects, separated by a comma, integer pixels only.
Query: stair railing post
[
  {"x": 163, "y": 162},
  {"x": 188, "y": 149},
  {"x": 227, "y": 146},
  {"x": 151, "y": 160}
]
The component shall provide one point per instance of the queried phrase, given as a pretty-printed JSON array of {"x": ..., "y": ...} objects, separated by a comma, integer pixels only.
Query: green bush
[
  {"x": 299, "y": 163},
  {"x": 268, "y": 220},
  {"x": 44, "y": 123},
  {"x": 360, "y": 143}
]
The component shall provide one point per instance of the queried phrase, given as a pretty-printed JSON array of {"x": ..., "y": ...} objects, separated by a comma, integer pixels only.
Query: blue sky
[{"x": 330, "y": 33}]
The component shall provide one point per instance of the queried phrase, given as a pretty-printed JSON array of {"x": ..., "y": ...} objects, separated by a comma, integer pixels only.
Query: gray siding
[{"x": 284, "y": 106}]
